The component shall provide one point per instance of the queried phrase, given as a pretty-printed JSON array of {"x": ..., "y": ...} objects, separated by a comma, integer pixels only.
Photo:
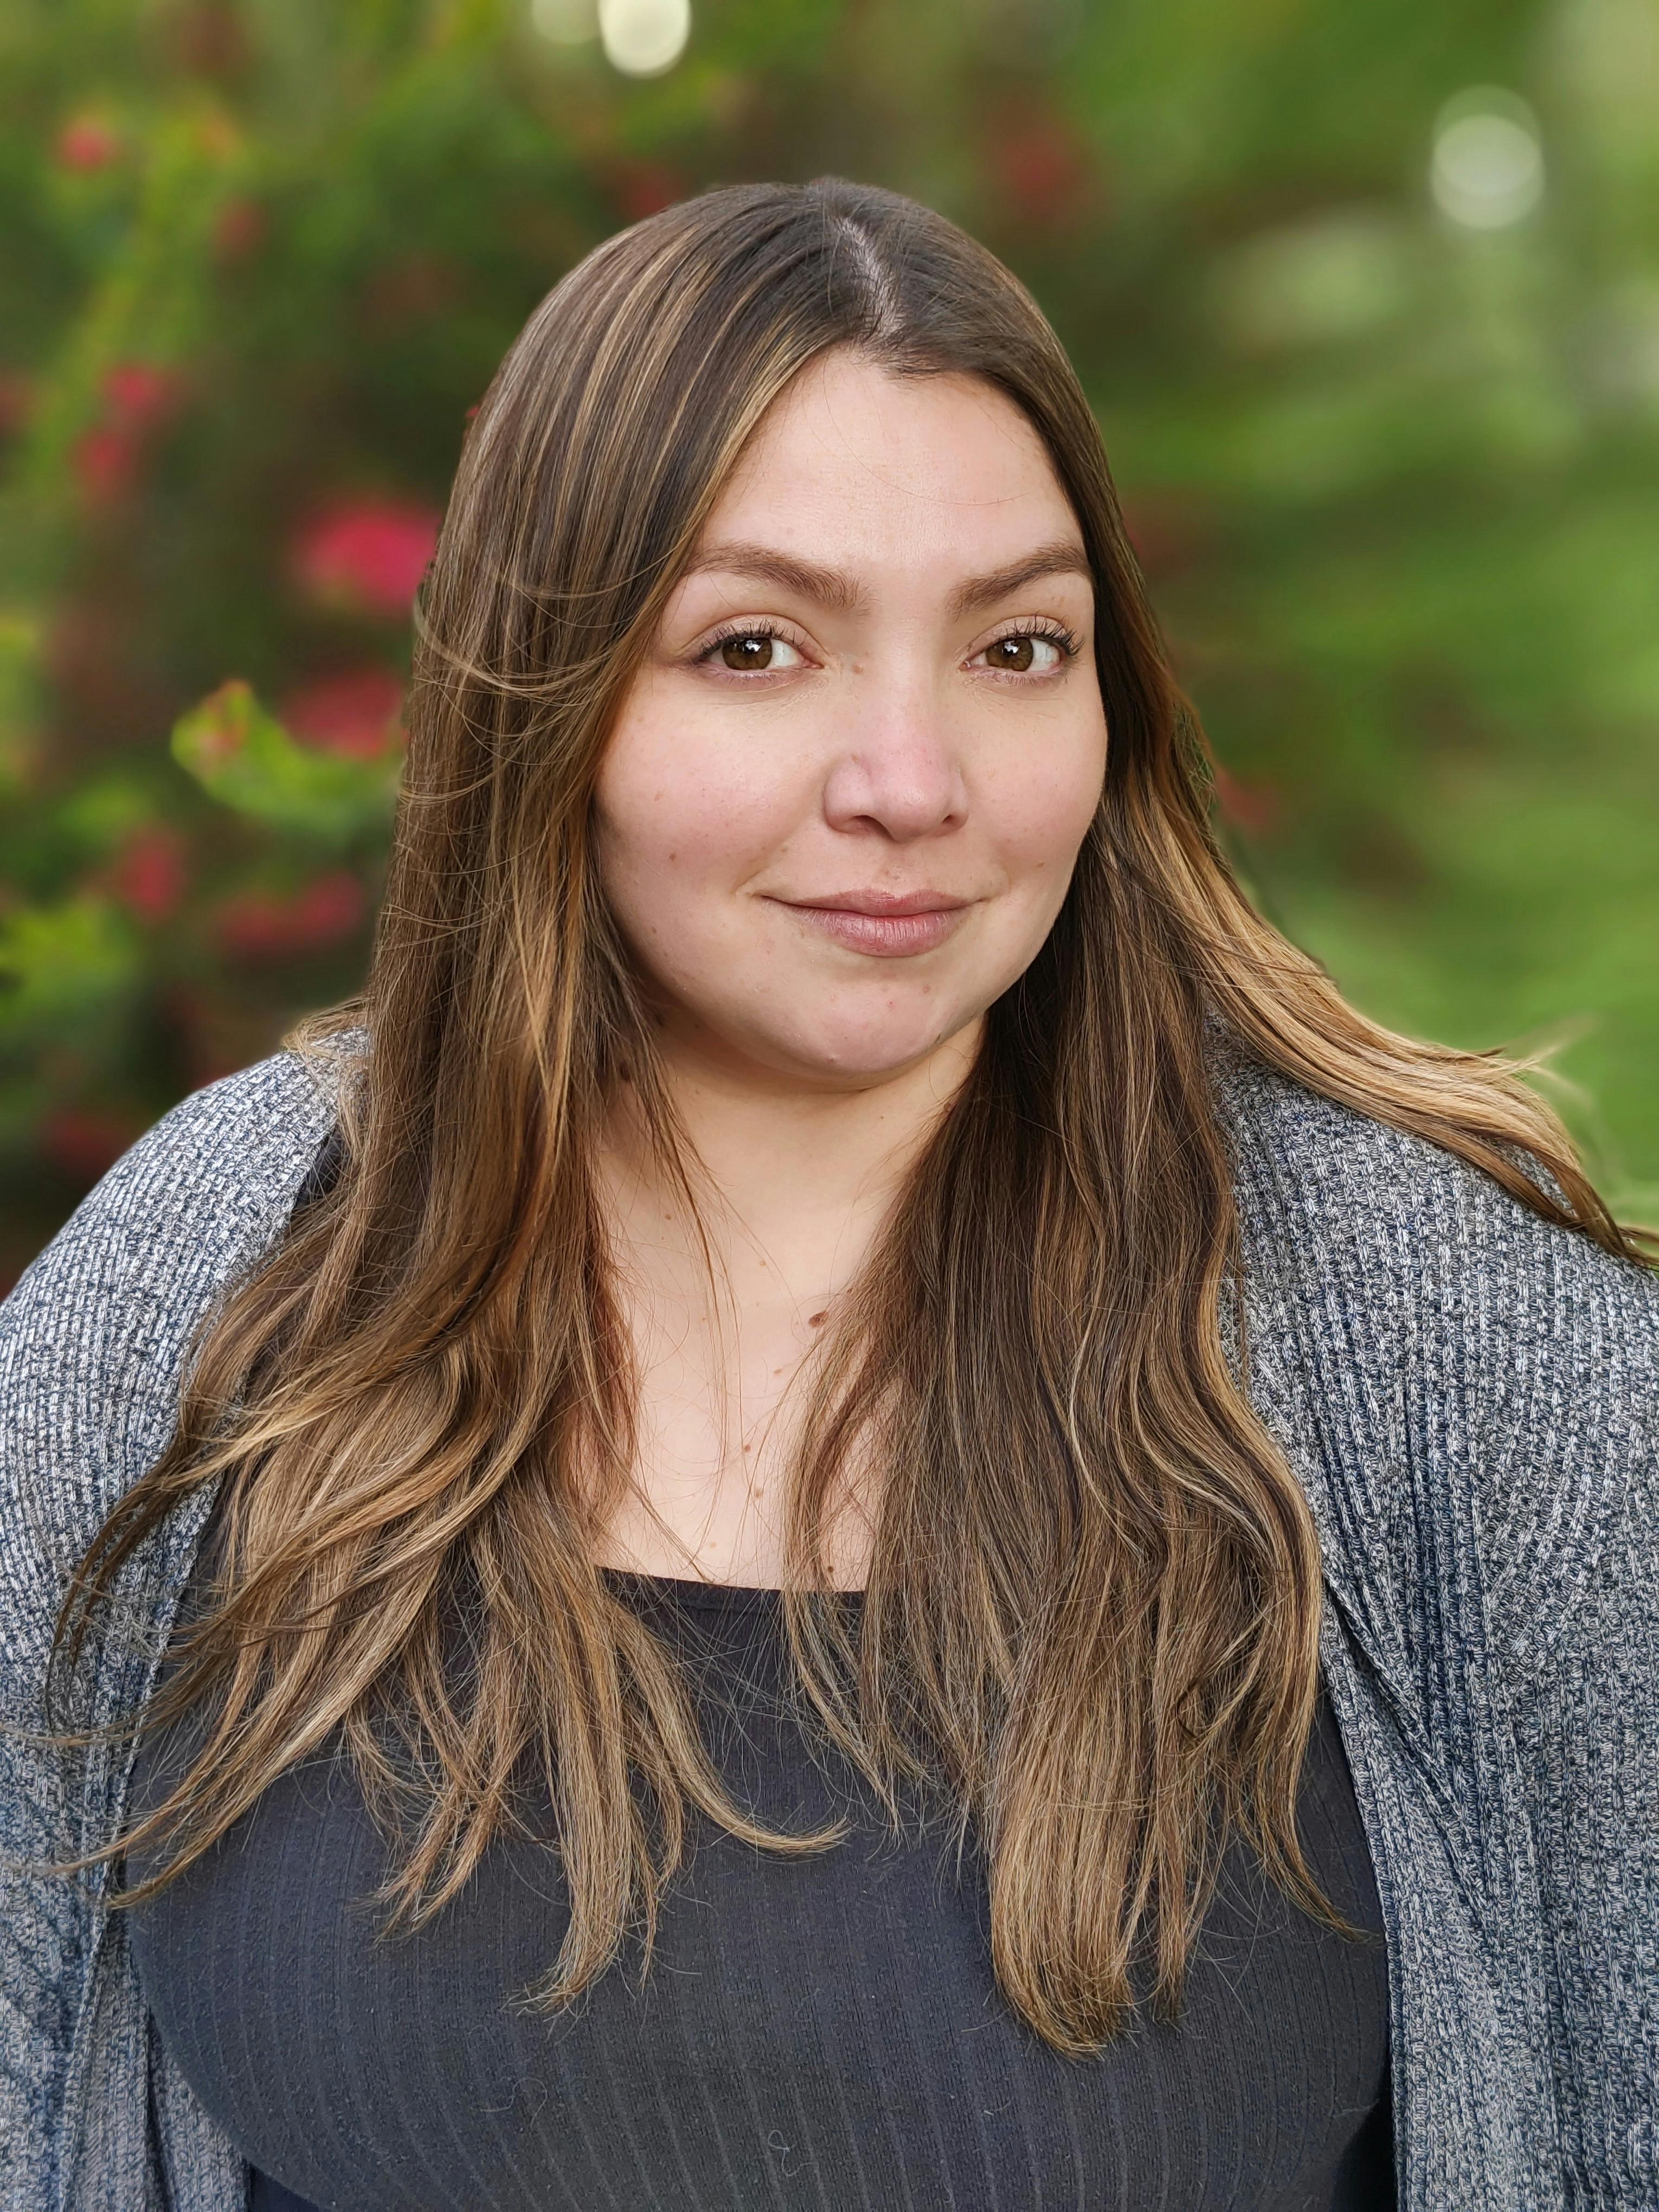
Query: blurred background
[{"x": 1365, "y": 294}]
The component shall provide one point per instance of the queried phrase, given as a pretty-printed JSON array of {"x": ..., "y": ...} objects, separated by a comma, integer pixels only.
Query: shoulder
[
  {"x": 1412, "y": 1244},
  {"x": 1472, "y": 1370},
  {"x": 195, "y": 1193},
  {"x": 94, "y": 1336}
]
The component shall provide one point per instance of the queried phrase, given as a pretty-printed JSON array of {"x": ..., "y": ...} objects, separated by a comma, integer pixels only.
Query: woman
[{"x": 837, "y": 1285}]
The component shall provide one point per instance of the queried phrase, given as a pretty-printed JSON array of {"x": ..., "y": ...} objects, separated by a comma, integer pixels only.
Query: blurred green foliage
[{"x": 1388, "y": 450}]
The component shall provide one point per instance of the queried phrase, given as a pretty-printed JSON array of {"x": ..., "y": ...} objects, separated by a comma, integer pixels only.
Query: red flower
[
  {"x": 354, "y": 713},
  {"x": 262, "y": 926},
  {"x": 87, "y": 142},
  {"x": 366, "y": 558},
  {"x": 149, "y": 872},
  {"x": 138, "y": 394},
  {"x": 82, "y": 1143},
  {"x": 1039, "y": 163},
  {"x": 104, "y": 462}
]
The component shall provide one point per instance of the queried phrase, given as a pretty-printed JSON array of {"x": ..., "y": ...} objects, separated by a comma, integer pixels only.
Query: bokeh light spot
[
  {"x": 643, "y": 38},
  {"x": 1487, "y": 169}
]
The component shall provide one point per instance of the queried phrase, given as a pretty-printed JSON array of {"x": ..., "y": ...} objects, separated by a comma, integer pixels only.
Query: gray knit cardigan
[{"x": 1470, "y": 1397}]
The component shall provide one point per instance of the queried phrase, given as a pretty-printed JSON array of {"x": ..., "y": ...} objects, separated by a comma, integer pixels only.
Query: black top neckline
[{"x": 690, "y": 1593}]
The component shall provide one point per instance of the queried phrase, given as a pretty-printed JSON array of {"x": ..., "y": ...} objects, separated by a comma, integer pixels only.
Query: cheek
[
  {"x": 1042, "y": 808},
  {"x": 678, "y": 813}
]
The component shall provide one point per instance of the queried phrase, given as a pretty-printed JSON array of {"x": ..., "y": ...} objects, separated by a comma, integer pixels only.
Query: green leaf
[
  {"x": 20, "y": 703},
  {"x": 242, "y": 757},
  {"x": 106, "y": 812},
  {"x": 61, "y": 964}
]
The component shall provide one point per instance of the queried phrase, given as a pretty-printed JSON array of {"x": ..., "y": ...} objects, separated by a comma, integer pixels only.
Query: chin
[{"x": 839, "y": 1055}]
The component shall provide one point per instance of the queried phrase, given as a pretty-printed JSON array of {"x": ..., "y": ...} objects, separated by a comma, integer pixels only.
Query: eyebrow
[{"x": 843, "y": 594}]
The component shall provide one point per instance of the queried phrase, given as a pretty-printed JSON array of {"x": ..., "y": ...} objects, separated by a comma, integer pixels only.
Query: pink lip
[{"x": 890, "y": 925}]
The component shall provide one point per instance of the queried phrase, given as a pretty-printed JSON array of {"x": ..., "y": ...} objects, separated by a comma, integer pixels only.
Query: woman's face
[{"x": 841, "y": 807}]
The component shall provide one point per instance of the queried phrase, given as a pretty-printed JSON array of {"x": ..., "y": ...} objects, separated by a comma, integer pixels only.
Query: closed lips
[{"x": 890, "y": 925}]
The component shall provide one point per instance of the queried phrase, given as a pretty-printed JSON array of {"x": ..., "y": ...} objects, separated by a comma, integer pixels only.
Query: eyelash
[
  {"x": 1038, "y": 627},
  {"x": 1056, "y": 633},
  {"x": 746, "y": 628}
]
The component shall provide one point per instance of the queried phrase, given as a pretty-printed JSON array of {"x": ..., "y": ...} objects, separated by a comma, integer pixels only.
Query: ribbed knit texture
[
  {"x": 1470, "y": 1399},
  {"x": 824, "y": 2034}
]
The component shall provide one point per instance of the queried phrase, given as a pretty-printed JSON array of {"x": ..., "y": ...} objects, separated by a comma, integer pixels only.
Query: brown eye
[
  {"x": 751, "y": 652},
  {"x": 1016, "y": 653}
]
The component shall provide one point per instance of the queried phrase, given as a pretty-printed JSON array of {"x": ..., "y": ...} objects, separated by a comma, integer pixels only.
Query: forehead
[{"x": 852, "y": 460}]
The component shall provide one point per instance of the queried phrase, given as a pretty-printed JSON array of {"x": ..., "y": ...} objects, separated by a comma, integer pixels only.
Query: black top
[{"x": 826, "y": 2033}]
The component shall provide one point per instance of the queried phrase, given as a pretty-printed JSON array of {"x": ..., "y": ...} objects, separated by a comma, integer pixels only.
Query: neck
[{"x": 802, "y": 1177}]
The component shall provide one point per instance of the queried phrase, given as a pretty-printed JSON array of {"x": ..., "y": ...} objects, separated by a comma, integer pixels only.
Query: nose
[{"x": 899, "y": 774}]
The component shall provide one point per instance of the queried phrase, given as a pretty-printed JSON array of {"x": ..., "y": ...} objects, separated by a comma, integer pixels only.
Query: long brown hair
[{"x": 1091, "y": 1613}]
